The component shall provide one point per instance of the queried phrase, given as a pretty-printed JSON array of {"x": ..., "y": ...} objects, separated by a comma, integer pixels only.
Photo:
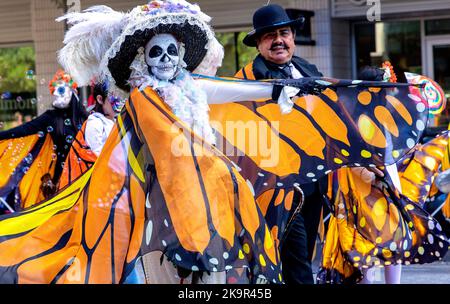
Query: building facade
[{"x": 413, "y": 34}]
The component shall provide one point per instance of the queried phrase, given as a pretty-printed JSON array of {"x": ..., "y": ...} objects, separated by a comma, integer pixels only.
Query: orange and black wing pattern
[
  {"x": 351, "y": 123},
  {"x": 23, "y": 161},
  {"x": 88, "y": 233},
  {"x": 79, "y": 159},
  {"x": 199, "y": 210},
  {"x": 373, "y": 225},
  {"x": 446, "y": 166},
  {"x": 156, "y": 186},
  {"x": 419, "y": 169}
]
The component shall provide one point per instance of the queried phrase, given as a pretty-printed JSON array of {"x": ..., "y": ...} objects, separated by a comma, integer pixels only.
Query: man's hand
[
  {"x": 311, "y": 88},
  {"x": 368, "y": 175},
  {"x": 376, "y": 171}
]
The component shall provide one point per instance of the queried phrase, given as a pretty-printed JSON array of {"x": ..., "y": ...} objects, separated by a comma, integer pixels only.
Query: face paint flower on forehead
[
  {"x": 62, "y": 87},
  {"x": 117, "y": 103}
]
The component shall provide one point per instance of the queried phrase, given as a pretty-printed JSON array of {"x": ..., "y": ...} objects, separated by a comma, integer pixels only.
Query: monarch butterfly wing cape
[
  {"x": 23, "y": 161},
  {"x": 83, "y": 234},
  {"x": 419, "y": 169},
  {"x": 351, "y": 123},
  {"x": 79, "y": 159},
  {"x": 372, "y": 225},
  {"x": 141, "y": 197}
]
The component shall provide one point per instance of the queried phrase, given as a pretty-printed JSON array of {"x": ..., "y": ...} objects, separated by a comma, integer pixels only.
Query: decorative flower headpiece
[
  {"x": 389, "y": 74},
  {"x": 157, "y": 7},
  {"x": 61, "y": 76}
]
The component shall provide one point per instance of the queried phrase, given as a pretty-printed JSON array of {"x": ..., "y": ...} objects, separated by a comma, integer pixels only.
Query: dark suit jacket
[{"x": 262, "y": 69}]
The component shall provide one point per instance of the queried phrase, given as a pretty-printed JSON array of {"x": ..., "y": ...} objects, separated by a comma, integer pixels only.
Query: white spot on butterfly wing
[
  {"x": 430, "y": 238},
  {"x": 415, "y": 98},
  {"x": 420, "y": 125},
  {"x": 148, "y": 232},
  {"x": 249, "y": 184},
  {"x": 322, "y": 82},
  {"x": 147, "y": 202},
  {"x": 420, "y": 107},
  {"x": 236, "y": 166}
]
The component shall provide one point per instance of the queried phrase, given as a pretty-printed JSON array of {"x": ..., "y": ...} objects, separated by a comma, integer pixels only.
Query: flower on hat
[
  {"x": 158, "y": 7},
  {"x": 389, "y": 71},
  {"x": 61, "y": 76}
]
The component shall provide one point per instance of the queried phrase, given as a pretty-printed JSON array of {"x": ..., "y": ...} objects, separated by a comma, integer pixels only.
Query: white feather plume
[{"x": 92, "y": 33}]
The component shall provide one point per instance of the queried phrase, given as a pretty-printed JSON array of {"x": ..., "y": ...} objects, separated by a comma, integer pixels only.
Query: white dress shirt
[
  {"x": 295, "y": 73},
  {"x": 98, "y": 128}
]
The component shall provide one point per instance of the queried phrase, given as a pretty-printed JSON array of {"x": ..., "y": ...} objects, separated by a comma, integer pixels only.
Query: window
[
  {"x": 237, "y": 54},
  {"x": 437, "y": 27},
  {"x": 399, "y": 42}
]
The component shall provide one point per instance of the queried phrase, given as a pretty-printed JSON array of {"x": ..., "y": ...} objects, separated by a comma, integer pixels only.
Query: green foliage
[
  {"x": 246, "y": 53},
  {"x": 243, "y": 53},
  {"x": 15, "y": 67}
]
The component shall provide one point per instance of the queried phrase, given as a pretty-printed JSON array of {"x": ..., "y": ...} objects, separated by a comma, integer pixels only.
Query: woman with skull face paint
[
  {"x": 42, "y": 145},
  {"x": 162, "y": 70}
]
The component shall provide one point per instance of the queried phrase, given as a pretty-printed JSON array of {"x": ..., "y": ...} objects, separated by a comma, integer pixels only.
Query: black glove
[
  {"x": 311, "y": 89},
  {"x": 276, "y": 92}
]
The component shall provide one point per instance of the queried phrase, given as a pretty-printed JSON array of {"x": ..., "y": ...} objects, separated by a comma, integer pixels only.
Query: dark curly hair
[{"x": 370, "y": 73}]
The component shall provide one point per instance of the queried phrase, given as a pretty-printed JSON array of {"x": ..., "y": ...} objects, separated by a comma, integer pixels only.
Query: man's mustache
[{"x": 284, "y": 46}]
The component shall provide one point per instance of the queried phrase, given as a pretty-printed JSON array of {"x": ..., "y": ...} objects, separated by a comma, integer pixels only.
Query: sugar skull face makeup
[
  {"x": 116, "y": 103},
  {"x": 62, "y": 87},
  {"x": 162, "y": 56},
  {"x": 62, "y": 95}
]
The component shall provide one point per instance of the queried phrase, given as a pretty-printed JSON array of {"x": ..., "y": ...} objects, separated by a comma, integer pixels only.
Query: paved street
[{"x": 435, "y": 273}]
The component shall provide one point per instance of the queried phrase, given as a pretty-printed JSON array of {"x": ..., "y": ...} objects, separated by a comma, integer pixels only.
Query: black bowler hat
[{"x": 267, "y": 18}]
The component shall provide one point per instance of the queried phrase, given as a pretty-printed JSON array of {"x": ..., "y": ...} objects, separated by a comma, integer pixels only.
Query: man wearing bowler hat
[{"x": 273, "y": 35}]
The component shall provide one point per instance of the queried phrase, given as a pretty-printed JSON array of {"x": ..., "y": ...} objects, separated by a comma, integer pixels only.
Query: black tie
[{"x": 286, "y": 71}]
